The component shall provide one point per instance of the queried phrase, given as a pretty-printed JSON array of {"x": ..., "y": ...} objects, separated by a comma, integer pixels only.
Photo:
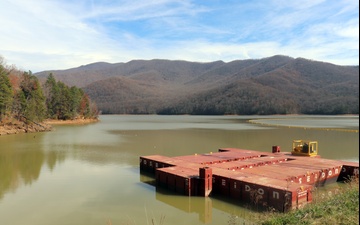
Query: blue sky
[{"x": 60, "y": 34}]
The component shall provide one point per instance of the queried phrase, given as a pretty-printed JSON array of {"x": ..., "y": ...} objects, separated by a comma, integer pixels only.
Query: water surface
[{"x": 89, "y": 174}]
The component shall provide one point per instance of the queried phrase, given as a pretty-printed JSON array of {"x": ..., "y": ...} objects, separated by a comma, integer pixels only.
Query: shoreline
[
  {"x": 17, "y": 127},
  {"x": 68, "y": 122}
]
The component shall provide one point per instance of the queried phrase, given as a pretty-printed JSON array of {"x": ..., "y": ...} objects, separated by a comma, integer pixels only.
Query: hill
[{"x": 273, "y": 85}]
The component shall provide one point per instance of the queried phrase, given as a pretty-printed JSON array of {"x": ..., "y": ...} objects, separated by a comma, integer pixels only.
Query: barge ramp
[{"x": 277, "y": 180}]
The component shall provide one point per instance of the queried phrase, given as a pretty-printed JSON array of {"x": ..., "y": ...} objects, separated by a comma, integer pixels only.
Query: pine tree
[
  {"x": 52, "y": 97},
  {"x": 67, "y": 103},
  {"x": 6, "y": 94},
  {"x": 34, "y": 108},
  {"x": 76, "y": 95}
]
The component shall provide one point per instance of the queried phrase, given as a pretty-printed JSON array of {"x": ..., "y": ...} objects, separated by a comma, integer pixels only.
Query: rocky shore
[{"x": 15, "y": 126}]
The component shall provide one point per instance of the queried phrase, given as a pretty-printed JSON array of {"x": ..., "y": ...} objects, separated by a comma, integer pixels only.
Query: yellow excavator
[{"x": 304, "y": 148}]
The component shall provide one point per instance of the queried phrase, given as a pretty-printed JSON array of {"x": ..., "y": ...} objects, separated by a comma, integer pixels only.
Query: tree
[
  {"x": 52, "y": 95},
  {"x": 6, "y": 94},
  {"x": 23, "y": 97},
  {"x": 75, "y": 100},
  {"x": 67, "y": 103},
  {"x": 64, "y": 109},
  {"x": 34, "y": 108}
]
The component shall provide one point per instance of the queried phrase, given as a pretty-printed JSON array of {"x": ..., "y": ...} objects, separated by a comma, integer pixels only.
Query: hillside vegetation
[
  {"x": 25, "y": 101},
  {"x": 274, "y": 85}
]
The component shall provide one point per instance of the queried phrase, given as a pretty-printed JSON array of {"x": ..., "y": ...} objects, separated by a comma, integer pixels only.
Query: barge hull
[{"x": 273, "y": 180}]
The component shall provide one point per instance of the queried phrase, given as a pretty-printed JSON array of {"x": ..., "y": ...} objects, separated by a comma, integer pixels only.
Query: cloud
[
  {"x": 63, "y": 34},
  {"x": 140, "y": 10}
]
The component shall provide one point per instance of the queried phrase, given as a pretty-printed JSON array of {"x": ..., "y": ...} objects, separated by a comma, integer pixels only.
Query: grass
[{"x": 342, "y": 209}]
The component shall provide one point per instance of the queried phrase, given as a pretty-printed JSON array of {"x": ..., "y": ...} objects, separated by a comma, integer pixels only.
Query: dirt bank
[
  {"x": 12, "y": 126},
  {"x": 76, "y": 121},
  {"x": 16, "y": 127}
]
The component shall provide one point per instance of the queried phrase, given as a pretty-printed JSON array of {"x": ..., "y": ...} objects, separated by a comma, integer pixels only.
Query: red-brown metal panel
[
  {"x": 235, "y": 188},
  {"x": 255, "y": 194},
  {"x": 267, "y": 171},
  {"x": 180, "y": 171},
  {"x": 224, "y": 186},
  {"x": 237, "y": 155},
  {"x": 348, "y": 171},
  {"x": 243, "y": 164},
  {"x": 243, "y": 151},
  {"x": 175, "y": 178},
  {"x": 320, "y": 174},
  {"x": 220, "y": 181},
  {"x": 150, "y": 163},
  {"x": 298, "y": 175},
  {"x": 316, "y": 163},
  {"x": 268, "y": 160},
  {"x": 216, "y": 186},
  {"x": 289, "y": 174},
  {"x": 205, "y": 181},
  {"x": 161, "y": 178},
  {"x": 275, "y": 149},
  {"x": 278, "y": 191},
  {"x": 183, "y": 185},
  {"x": 233, "y": 165},
  {"x": 224, "y": 157},
  {"x": 200, "y": 159}
]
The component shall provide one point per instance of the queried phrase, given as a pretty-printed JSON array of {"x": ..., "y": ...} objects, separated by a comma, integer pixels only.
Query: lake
[{"x": 89, "y": 174}]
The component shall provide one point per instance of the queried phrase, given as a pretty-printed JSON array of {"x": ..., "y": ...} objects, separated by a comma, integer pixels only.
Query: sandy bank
[
  {"x": 13, "y": 126},
  {"x": 76, "y": 121}
]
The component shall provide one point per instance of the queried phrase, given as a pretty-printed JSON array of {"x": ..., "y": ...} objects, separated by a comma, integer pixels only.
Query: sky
[{"x": 43, "y": 35}]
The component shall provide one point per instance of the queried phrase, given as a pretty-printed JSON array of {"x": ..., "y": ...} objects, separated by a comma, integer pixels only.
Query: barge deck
[{"x": 278, "y": 180}]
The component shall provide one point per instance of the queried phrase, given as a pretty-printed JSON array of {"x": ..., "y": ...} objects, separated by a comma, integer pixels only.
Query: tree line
[
  {"x": 23, "y": 97},
  {"x": 246, "y": 99}
]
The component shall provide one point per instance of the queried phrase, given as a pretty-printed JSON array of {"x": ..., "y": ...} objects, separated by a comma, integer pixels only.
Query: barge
[{"x": 279, "y": 180}]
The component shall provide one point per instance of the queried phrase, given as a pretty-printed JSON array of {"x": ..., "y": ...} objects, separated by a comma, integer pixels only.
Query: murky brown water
[{"x": 89, "y": 174}]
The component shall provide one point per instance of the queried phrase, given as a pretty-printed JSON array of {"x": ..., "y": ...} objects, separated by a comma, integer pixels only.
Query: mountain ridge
[{"x": 273, "y": 85}]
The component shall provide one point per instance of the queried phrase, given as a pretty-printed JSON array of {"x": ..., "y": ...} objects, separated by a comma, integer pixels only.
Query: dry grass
[{"x": 339, "y": 208}]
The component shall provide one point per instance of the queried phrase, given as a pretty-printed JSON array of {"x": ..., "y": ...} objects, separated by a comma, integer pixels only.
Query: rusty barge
[{"x": 278, "y": 180}]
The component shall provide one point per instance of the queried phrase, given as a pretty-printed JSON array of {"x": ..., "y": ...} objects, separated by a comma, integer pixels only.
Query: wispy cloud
[
  {"x": 140, "y": 10},
  {"x": 60, "y": 34}
]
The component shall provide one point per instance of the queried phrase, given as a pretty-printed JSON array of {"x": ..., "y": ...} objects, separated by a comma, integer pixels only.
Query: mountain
[{"x": 273, "y": 85}]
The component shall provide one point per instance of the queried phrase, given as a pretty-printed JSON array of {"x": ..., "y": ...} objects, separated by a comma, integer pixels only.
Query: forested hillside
[
  {"x": 24, "y": 98},
  {"x": 274, "y": 85}
]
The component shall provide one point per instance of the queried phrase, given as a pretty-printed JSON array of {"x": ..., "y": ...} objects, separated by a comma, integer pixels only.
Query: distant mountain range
[{"x": 273, "y": 85}]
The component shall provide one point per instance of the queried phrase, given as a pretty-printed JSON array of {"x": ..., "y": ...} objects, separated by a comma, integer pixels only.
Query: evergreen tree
[
  {"x": 67, "y": 103},
  {"x": 64, "y": 110},
  {"x": 5, "y": 92},
  {"x": 34, "y": 108},
  {"x": 76, "y": 96},
  {"x": 52, "y": 97},
  {"x": 19, "y": 104}
]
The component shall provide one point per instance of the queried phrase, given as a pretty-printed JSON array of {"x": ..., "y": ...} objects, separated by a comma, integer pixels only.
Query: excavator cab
[{"x": 304, "y": 148}]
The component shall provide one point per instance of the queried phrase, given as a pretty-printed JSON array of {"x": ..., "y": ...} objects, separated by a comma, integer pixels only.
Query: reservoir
[{"x": 89, "y": 174}]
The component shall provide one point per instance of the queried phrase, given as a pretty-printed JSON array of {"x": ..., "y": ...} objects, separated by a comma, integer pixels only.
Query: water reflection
[
  {"x": 201, "y": 206},
  {"x": 20, "y": 165}
]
